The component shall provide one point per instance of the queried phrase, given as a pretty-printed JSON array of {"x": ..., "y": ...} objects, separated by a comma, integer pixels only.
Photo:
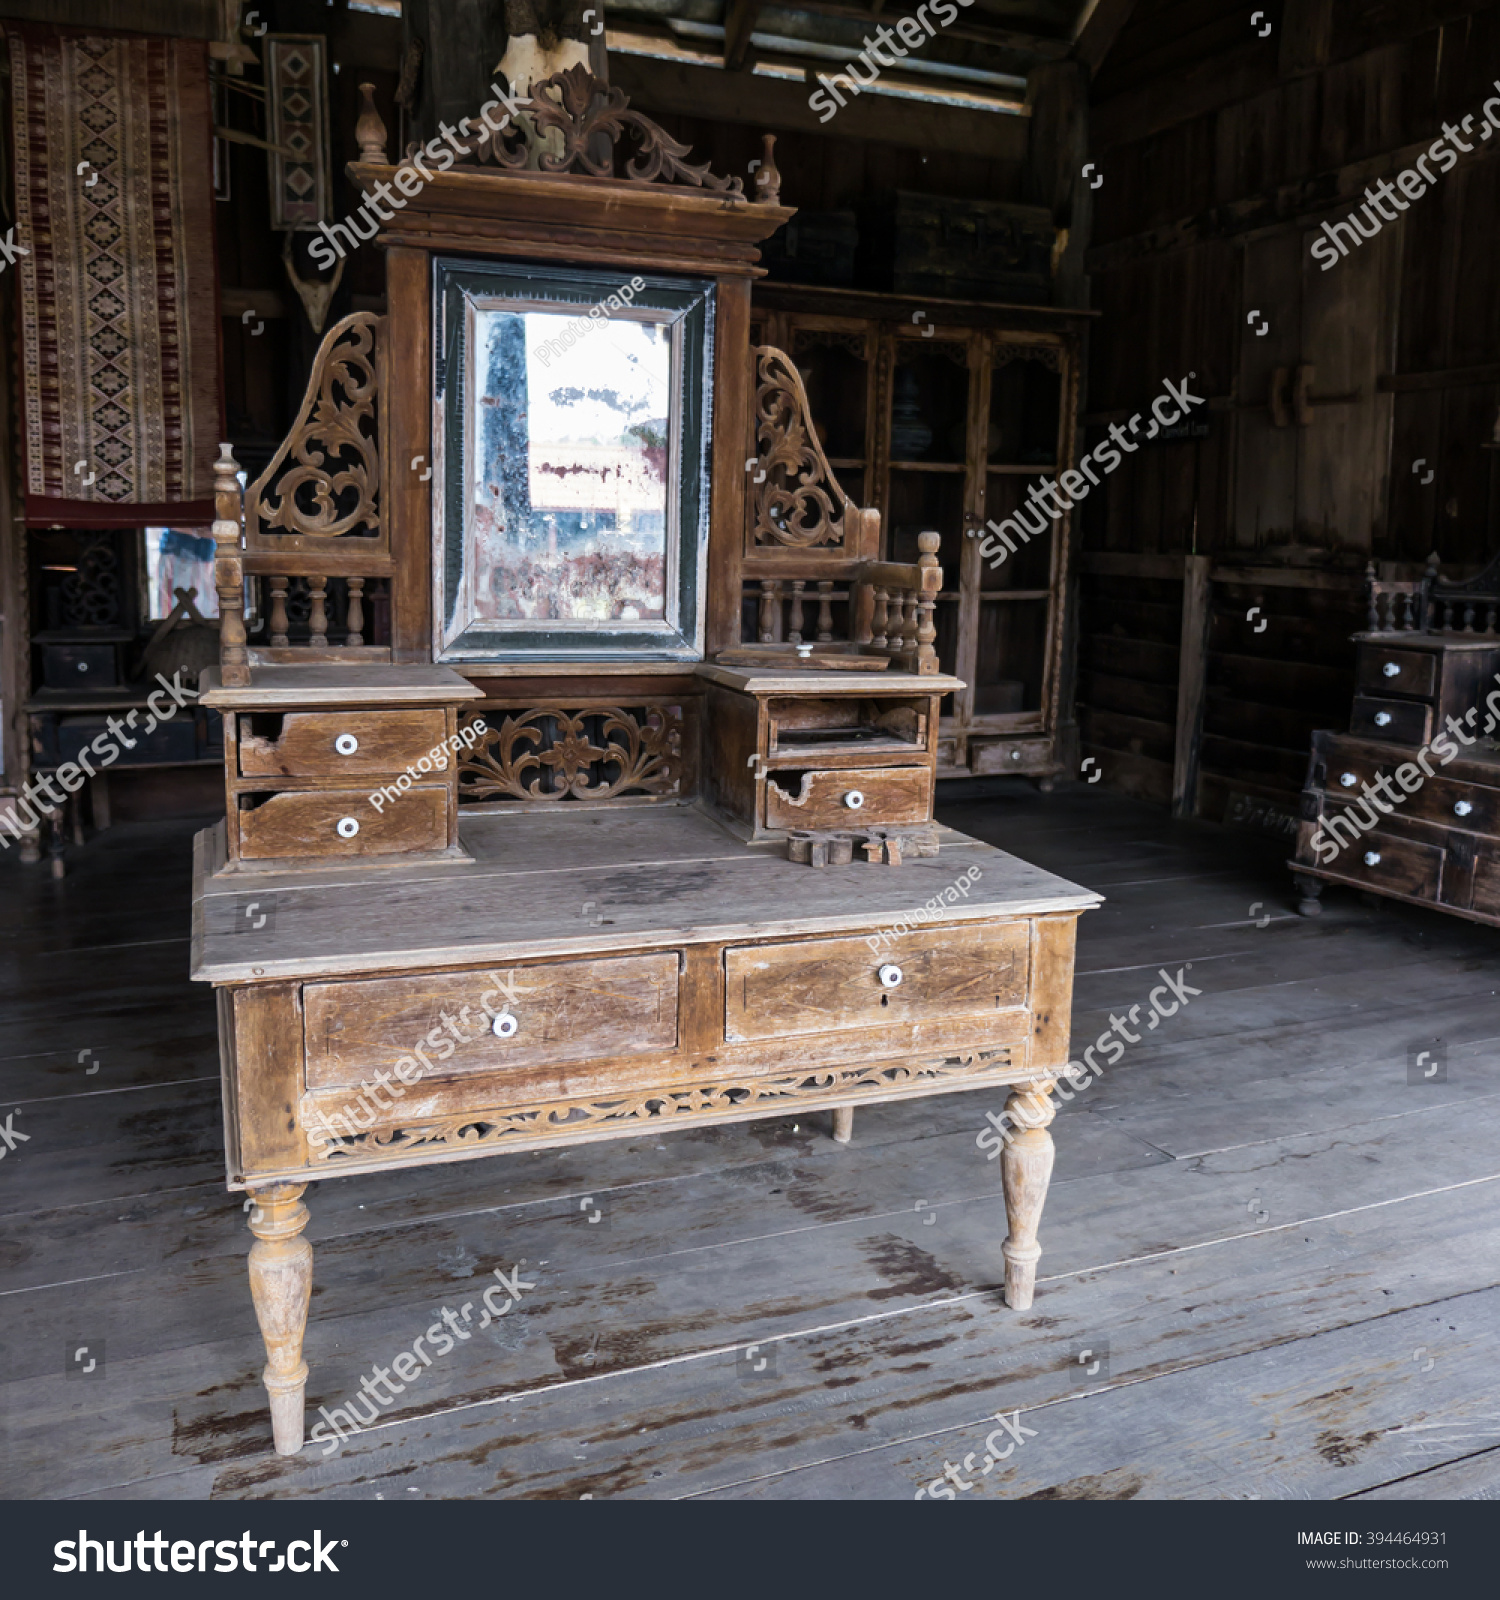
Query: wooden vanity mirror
[{"x": 571, "y": 418}]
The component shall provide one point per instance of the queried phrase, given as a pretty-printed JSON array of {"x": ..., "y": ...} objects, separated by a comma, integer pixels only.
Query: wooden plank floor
[{"x": 1279, "y": 1243}]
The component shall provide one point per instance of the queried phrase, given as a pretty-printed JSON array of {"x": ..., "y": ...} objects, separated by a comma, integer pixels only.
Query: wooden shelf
[
  {"x": 928, "y": 466},
  {"x": 1015, "y": 594},
  {"x": 1015, "y": 468}
]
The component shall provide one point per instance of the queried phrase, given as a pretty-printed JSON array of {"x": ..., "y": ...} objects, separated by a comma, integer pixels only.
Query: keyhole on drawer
[{"x": 885, "y": 999}]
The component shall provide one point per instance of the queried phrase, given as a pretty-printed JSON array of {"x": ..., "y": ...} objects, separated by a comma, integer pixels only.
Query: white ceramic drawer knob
[
  {"x": 1348, "y": 780},
  {"x": 854, "y": 799},
  {"x": 504, "y": 1025},
  {"x": 1462, "y": 808},
  {"x": 890, "y": 976},
  {"x": 1391, "y": 670},
  {"x": 1372, "y": 858},
  {"x": 346, "y": 744},
  {"x": 83, "y": 666},
  {"x": 1382, "y": 719},
  {"x": 348, "y": 827}
]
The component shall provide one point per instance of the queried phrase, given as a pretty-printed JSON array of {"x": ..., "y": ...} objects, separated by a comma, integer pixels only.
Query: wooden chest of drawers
[
  {"x": 1406, "y": 688},
  {"x": 340, "y": 764},
  {"x": 1374, "y": 819}
]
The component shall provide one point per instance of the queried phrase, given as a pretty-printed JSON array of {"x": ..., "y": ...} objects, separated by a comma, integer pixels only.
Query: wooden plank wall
[{"x": 1222, "y": 153}]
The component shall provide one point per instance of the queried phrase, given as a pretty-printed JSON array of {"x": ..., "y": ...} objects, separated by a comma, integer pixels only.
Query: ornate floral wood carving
[
  {"x": 1049, "y": 355},
  {"x": 587, "y": 753},
  {"x": 850, "y": 339},
  {"x": 678, "y": 1106},
  {"x": 954, "y": 350},
  {"x": 794, "y": 497},
  {"x": 577, "y": 105},
  {"x": 324, "y": 481}
]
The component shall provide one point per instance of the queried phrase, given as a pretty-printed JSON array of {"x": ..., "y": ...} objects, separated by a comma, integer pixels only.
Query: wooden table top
[{"x": 585, "y": 882}]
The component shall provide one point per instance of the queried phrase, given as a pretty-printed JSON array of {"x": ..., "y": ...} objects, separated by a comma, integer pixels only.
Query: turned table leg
[
  {"x": 843, "y": 1123},
  {"x": 281, "y": 1286},
  {"x": 1025, "y": 1172}
]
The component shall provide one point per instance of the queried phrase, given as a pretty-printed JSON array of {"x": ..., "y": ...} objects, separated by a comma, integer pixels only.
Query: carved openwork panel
[
  {"x": 710, "y": 1102},
  {"x": 324, "y": 481},
  {"x": 1006, "y": 351},
  {"x": 795, "y": 501},
  {"x": 570, "y": 110},
  {"x": 591, "y": 752}
]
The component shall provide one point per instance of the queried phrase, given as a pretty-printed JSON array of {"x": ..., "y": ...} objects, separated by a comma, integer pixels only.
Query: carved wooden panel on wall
[{"x": 591, "y": 752}]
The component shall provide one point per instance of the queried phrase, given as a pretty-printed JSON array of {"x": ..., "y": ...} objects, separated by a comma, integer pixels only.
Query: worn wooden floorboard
[
  {"x": 885, "y": 1395},
  {"x": 645, "y": 1309},
  {"x": 1290, "y": 1067}
]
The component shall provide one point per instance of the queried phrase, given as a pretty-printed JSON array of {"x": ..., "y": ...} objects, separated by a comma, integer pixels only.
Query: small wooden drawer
[
  {"x": 343, "y": 744},
  {"x": 567, "y": 1011},
  {"x": 1465, "y": 806},
  {"x": 1382, "y": 671},
  {"x": 302, "y": 823},
  {"x": 1402, "y": 721},
  {"x": 858, "y": 796},
  {"x": 79, "y": 666},
  {"x": 831, "y": 985},
  {"x": 1401, "y": 865}
]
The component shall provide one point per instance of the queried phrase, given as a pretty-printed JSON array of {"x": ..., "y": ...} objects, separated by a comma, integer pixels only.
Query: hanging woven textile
[{"x": 117, "y": 291}]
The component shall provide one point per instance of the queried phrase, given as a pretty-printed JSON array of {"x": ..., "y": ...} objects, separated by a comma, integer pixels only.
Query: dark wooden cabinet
[{"x": 939, "y": 414}]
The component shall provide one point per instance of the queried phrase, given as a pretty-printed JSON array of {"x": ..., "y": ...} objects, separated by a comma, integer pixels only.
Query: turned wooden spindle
[
  {"x": 1374, "y": 608},
  {"x": 767, "y": 174},
  {"x": 909, "y": 622},
  {"x": 229, "y": 572},
  {"x": 355, "y": 616},
  {"x": 281, "y": 1287},
  {"x": 369, "y": 131},
  {"x": 794, "y": 617},
  {"x": 928, "y": 543},
  {"x": 317, "y": 622},
  {"x": 825, "y": 610},
  {"x": 880, "y": 618},
  {"x": 1025, "y": 1172},
  {"x": 278, "y": 619},
  {"x": 770, "y": 609}
]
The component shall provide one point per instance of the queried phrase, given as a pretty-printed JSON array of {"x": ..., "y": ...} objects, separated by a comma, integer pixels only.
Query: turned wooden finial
[
  {"x": 229, "y": 572},
  {"x": 767, "y": 174},
  {"x": 369, "y": 131}
]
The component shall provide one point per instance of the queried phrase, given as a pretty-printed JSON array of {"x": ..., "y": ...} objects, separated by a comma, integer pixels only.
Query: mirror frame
[{"x": 464, "y": 286}]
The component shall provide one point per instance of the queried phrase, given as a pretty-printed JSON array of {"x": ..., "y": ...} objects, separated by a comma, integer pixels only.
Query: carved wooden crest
[
  {"x": 324, "y": 480},
  {"x": 794, "y": 498},
  {"x": 578, "y": 106},
  {"x": 588, "y": 753}
]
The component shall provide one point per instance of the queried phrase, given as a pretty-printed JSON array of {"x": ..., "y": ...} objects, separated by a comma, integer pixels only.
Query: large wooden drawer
[
  {"x": 317, "y": 744},
  {"x": 1446, "y": 801},
  {"x": 1402, "y": 721},
  {"x": 858, "y": 796},
  {"x": 306, "y": 822},
  {"x": 830, "y": 985},
  {"x": 1402, "y": 866},
  {"x": 566, "y": 1011},
  {"x": 1415, "y": 671}
]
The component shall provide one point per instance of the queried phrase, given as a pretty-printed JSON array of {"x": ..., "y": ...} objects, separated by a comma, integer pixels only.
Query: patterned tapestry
[
  {"x": 297, "y": 122},
  {"x": 118, "y": 297}
]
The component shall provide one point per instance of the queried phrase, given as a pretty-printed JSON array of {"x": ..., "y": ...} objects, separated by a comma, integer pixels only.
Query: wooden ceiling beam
[
  {"x": 1032, "y": 44},
  {"x": 740, "y": 18},
  {"x": 1097, "y": 28}
]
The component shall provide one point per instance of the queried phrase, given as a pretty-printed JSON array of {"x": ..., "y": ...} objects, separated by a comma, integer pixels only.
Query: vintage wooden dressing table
[{"x": 585, "y": 917}]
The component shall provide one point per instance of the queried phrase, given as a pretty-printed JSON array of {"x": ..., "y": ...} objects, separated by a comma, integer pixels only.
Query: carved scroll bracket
[{"x": 794, "y": 500}]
